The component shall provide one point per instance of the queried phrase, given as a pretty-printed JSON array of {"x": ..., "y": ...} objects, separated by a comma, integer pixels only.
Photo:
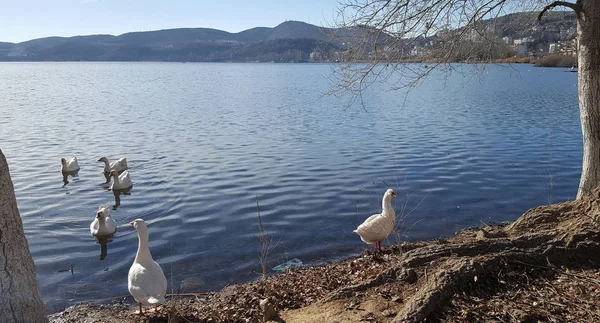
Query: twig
[{"x": 266, "y": 242}]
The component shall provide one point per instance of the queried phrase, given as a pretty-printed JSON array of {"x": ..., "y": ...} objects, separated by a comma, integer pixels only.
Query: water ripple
[{"x": 204, "y": 142}]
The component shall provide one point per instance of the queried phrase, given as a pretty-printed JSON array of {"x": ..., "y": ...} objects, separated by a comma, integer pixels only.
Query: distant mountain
[
  {"x": 298, "y": 29},
  {"x": 254, "y": 34},
  {"x": 168, "y": 37},
  {"x": 289, "y": 41},
  {"x": 555, "y": 26},
  {"x": 5, "y": 48}
]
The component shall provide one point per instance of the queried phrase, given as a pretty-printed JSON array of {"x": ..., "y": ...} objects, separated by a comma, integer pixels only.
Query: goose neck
[
  {"x": 143, "y": 252},
  {"x": 386, "y": 205}
]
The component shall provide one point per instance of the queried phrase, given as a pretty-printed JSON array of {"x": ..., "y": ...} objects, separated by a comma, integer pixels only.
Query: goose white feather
[
  {"x": 377, "y": 227},
  {"x": 146, "y": 280},
  {"x": 122, "y": 181},
  {"x": 118, "y": 165},
  {"x": 70, "y": 165},
  {"x": 103, "y": 224}
]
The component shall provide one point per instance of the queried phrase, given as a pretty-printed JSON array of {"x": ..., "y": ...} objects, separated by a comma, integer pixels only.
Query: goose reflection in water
[
  {"x": 74, "y": 174},
  {"x": 103, "y": 241},
  {"x": 117, "y": 194}
]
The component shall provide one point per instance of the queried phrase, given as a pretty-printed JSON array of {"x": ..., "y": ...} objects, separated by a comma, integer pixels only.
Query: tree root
[{"x": 561, "y": 234}]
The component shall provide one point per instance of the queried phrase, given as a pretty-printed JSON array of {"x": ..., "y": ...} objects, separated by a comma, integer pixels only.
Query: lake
[{"x": 205, "y": 141}]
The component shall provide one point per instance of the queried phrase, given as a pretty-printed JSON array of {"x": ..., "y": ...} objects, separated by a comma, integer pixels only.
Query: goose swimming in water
[
  {"x": 118, "y": 165},
  {"x": 103, "y": 224},
  {"x": 120, "y": 182},
  {"x": 377, "y": 227},
  {"x": 146, "y": 280},
  {"x": 70, "y": 165}
]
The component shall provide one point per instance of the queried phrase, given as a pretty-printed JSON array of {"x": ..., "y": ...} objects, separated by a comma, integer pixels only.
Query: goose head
[
  {"x": 389, "y": 194},
  {"x": 63, "y": 161},
  {"x": 102, "y": 212},
  {"x": 103, "y": 159},
  {"x": 139, "y": 225},
  {"x": 114, "y": 173}
]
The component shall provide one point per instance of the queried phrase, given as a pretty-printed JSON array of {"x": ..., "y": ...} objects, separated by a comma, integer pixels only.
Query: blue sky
[{"x": 29, "y": 19}]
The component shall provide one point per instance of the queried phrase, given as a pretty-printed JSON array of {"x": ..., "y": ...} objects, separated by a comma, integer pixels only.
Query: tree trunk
[
  {"x": 588, "y": 31},
  {"x": 20, "y": 298}
]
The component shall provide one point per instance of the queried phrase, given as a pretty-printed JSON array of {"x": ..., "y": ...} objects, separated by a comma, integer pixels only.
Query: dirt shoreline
[{"x": 542, "y": 267}]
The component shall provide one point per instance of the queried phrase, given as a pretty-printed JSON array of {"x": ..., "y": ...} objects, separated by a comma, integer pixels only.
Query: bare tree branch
[{"x": 576, "y": 7}]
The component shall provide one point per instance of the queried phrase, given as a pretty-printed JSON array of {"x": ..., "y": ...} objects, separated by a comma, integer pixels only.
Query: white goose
[
  {"x": 146, "y": 281},
  {"x": 120, "y": 182},
  {"x": 103, "y": 224},
  {"x": 70, "y": 165},
  {"x": 378, "y": 226},
  {"x": 118, "y": 165}
]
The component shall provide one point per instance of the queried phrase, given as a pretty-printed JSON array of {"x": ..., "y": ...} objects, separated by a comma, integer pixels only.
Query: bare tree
[
  {"x": 390, "y": 28},
  {"x": 20, "y": 298}
]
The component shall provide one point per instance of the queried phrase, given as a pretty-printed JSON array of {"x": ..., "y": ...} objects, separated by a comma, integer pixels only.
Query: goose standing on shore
[
  {"x": 378, "y": 226},
  {"x": 103, "y": 224},
  {"x": 146, "y": 281},
  {"x": 120, "y": 182},
  {"x": 70, "y": 165}
]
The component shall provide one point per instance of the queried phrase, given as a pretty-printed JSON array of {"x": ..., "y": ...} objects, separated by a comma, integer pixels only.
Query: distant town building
[
  {"x": 521, "y": 50},
  {"x": 564, "y": 47},
  {"x": 523, "y": 40},
  {"x": 316, "y": 56},
  {"x": 508, "y": 40},
  {"x": 418, "y": 52}
]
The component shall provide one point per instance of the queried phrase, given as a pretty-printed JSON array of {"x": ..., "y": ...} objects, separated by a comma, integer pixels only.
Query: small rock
[
  {"x": 269, "y": 308},
  {"x": 482, "y": 235},
  {"x": 397, "y": 299},
  {"x": 388, "y": 313}
]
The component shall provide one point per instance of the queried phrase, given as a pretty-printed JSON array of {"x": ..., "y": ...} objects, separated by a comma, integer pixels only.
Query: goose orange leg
[{"x": 140, "y": 312}]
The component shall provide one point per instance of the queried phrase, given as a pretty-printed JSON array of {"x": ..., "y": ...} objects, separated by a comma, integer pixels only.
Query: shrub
[{"x": 557, "y": 61}]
